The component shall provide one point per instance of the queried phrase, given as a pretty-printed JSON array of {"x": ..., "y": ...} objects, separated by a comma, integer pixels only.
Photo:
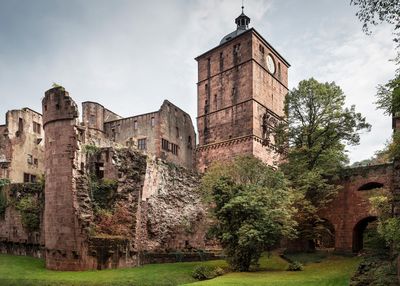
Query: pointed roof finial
[{"x": 242, "y": 6}]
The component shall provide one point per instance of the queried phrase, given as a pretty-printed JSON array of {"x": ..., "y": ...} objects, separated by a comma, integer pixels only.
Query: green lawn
[{"x": 19, "y": 270}]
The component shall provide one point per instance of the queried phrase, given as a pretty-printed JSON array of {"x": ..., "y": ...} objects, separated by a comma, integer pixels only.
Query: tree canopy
[
  {"x": 318, "y": 128},
  {"x": 252, "y": 208}
]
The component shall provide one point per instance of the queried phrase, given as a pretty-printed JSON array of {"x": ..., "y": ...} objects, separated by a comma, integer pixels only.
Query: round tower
[{"x": 64, "y": 238}]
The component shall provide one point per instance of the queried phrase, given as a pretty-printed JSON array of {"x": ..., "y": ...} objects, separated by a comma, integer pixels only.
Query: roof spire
[{"x": 242, "y": 21}]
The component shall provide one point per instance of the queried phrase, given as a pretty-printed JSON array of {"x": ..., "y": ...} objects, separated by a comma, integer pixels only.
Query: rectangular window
[
  {"x": 36, "y": 127},
  {"x": 174, "y": 149},
  {"x": 30, "y": 159},
  {"x": 208, "y": 67},
  {"x": 152, "y": 121},
  {"x": 26, "y": 178},
  {"x": 99, "y": 167},
  {"x": 35, "y": 161},
  {"x": 33, "y": 179},
  {"x": 221, "y": 62},
  {"x": 164, "y": 144},
  {"x": 135, "y": 125},
  {"x": 177, "y": 132},
  {"x": 142, "y": 144},
  {"x": 20, "y": 126}
]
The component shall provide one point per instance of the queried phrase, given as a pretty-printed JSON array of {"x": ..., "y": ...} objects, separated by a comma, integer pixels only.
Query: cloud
[{"x": 131, "y": 55}]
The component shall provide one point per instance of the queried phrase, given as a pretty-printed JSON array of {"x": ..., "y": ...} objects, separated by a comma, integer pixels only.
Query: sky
[{"x": 131, "y": 55}]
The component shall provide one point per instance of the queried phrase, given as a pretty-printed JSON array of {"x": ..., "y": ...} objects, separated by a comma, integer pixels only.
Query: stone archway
[{"x": 358, "y": 232}]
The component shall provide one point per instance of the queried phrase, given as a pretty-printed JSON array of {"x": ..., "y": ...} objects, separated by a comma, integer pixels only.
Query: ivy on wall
[{"x": 3, "y": 197}]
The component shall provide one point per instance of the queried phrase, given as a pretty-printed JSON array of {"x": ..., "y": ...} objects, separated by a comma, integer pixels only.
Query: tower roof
[{"x": 242, "y": 24}]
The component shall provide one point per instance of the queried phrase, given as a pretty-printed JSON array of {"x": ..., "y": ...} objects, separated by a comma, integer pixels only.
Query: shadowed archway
[{"x": 358, "y": 233}]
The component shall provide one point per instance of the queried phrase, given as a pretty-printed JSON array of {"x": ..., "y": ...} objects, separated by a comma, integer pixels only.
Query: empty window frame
[
  {"x": 36, "y": 127},
  {"x": 135, "y": 125},
  {"x": 142, "y": 144},
  {"x": 153, "y": 122}
]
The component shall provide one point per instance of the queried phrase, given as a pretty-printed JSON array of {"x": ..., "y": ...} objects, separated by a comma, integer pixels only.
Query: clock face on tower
[{"x": 270, "y": 64}]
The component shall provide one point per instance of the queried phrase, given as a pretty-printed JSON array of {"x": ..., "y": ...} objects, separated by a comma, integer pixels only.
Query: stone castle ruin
[{"x": 108, "y": 191}]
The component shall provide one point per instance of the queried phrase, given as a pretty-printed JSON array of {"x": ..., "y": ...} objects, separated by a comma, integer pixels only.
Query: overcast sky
[{"x": 131, "y": 55}]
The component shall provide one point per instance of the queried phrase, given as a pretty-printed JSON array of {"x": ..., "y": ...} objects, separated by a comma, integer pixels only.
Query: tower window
[
  {"x": 142, "y": 144},
  {"x": 177, "y": 132},
  {"x": 221, "y": 61},
  {"x": 208, "y": 66},
  {"x": 261, "y": 49},
  {"x": 135, "y": 125},
  {"x": 279, "y": 71},
  {"x": 152, "y": 121}
]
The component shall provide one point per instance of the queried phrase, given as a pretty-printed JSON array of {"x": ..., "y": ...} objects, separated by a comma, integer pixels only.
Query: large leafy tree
[
  {"x": 251, "y": 207},
  {"x": 318, "y": 128}
]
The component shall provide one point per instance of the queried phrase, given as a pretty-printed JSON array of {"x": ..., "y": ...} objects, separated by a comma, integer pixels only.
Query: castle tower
[
  {"x": 242, "y": 84},
  {"x": 64, "y": 237}
]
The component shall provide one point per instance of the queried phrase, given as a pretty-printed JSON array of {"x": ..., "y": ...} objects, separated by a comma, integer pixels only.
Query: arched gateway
[{"x": 350, "y": 212}]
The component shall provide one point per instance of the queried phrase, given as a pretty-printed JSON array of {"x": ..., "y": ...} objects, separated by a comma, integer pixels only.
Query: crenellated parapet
[{"x": 58, "y": 105}]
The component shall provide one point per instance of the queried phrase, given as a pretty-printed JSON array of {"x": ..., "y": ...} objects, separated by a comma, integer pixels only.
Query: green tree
[
  {"x": 317, "y": 130},
  {"x": 251, "y": 207},
  {"x": 374, "y": 12}
]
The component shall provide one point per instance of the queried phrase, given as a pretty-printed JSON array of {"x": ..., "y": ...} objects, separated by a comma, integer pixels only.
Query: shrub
[
  {"x": 204, "y": 272},
  {"x": 103, "y": 192},
  {"x": 29, "y": 209},
  {"x": 295, "y": 266}
]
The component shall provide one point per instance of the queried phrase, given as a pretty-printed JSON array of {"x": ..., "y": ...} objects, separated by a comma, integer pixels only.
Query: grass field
[{"x": 333, "y": 270}]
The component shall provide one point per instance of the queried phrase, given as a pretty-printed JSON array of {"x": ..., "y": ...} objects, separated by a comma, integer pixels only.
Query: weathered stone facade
[
  {"x": 242, "y": 84},
  {"x": 22, "y": 146},
  {"x": 167, "y": 133}
]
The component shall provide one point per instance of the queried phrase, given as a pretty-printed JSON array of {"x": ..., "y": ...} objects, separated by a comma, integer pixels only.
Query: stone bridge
[{"x": 350, "y": 212}]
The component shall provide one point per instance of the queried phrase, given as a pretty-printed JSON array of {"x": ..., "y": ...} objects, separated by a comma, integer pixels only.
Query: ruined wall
[
  {"x": 176, "y": 127},
  {"x": 22, "y": 146},
  {"x": 21, "y": 229},
  {"x": 128, "y": 131},
  {"x": 172, "y": 214},
  {"x": 169, "y": 123},
  {"x": 94, "y": 115}
]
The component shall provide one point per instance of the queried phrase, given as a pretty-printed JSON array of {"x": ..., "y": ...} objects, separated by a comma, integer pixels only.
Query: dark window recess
[
  {"x": 279, "y": 71},
  {"x": 164, "y": 144},
  {"x": 35, "y": 161},
  {"x": 208, "y": 67},
  {"x": 169, "y": 147},
  {"x": 135, "y": 125},
  {"x": 36, "y": 127},
  {"x": 190, "y": 142},
  {"x": 99, "y": 168},
  {"x": 33, "y": 179},
  {"x": 262, "y": 49},
  {"x": 27, "y": 178},
  {"x": 142, "y": 144},
  {"x": 113, "y": 134},
  {"x": 174, "y": 149},
  {"x": 221, "y": 61},
  {"x": 152, "y": 121},
  {"x": 177, "y": 132},
  {"x": 20, "y": 126}
]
